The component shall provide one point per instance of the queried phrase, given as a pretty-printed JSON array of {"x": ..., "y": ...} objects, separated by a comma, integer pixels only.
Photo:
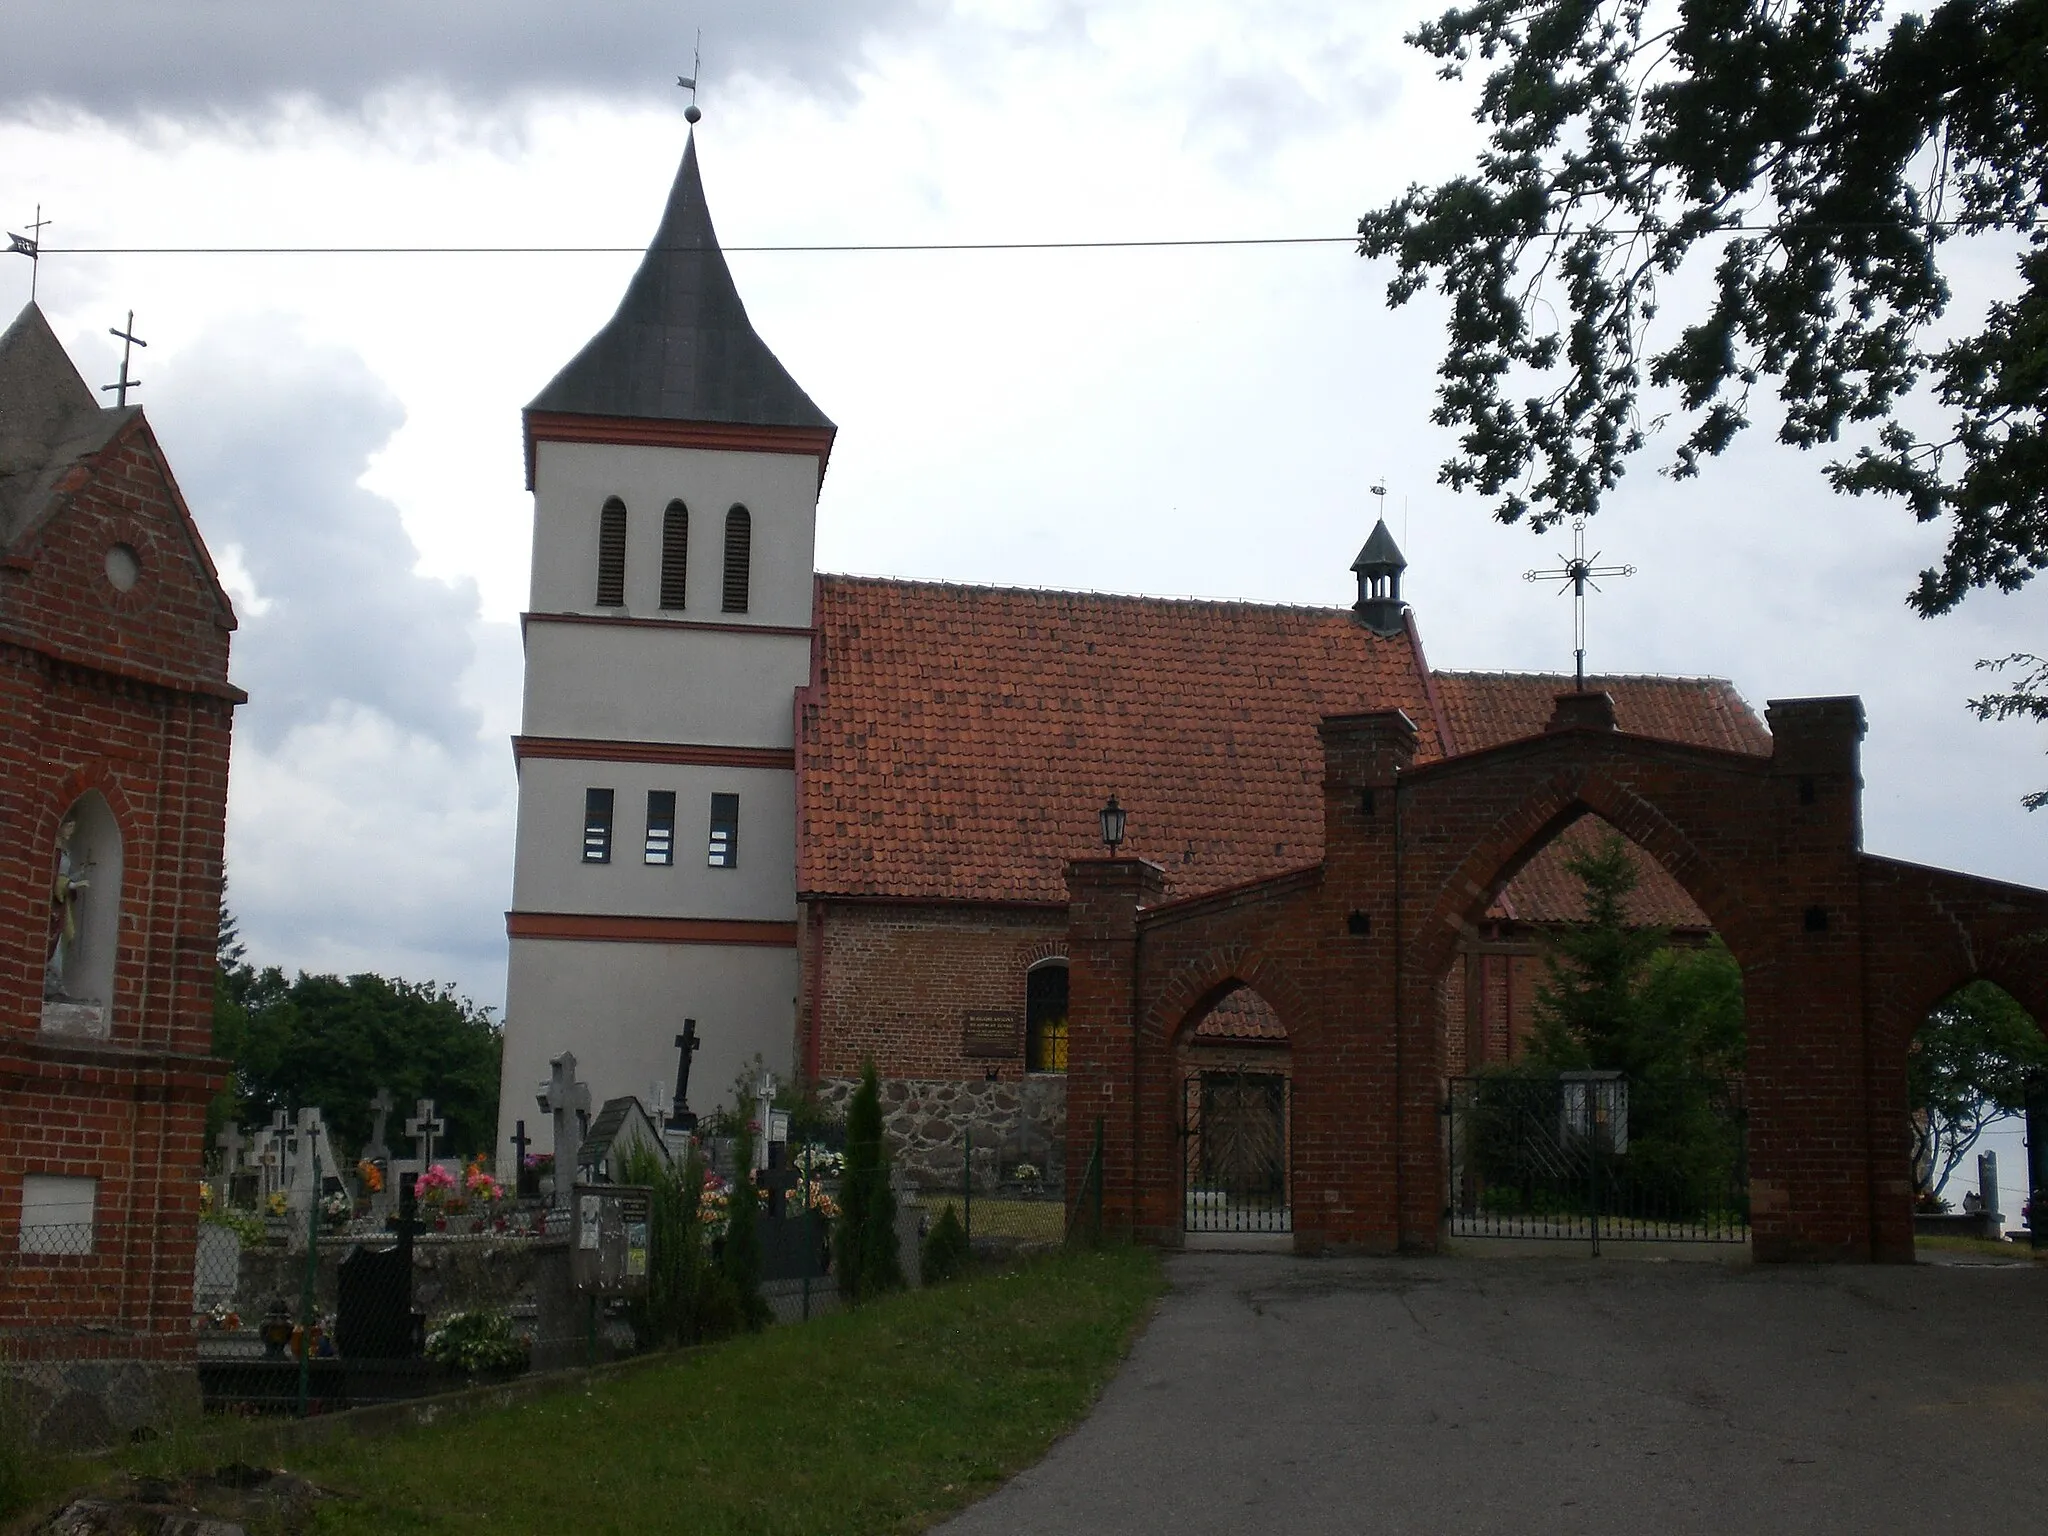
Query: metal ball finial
[{"x": 692, "y": 115}]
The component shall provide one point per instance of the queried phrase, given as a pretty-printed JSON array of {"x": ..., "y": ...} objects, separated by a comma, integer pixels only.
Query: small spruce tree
[
  {"x": 864, "y": 1249},
  {"x": 946, "y": 1254},
  {"x": 741, "y": 1260}
]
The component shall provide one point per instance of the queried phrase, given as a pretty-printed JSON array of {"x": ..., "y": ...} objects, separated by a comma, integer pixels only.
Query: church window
[
  {"x": 739, "y": 556},
  {"x": 611, "y": 555},
  {"x": 675, "y": 555},
  {"x": 725, "y": 832},
  {"x": 661, "y": 827},
  {"x": 597, "y": 826},
  {"x": 1045, "y": 1017}
]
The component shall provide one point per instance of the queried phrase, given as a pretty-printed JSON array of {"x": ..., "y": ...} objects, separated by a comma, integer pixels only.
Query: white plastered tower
[{"x": 675, "y": 467}]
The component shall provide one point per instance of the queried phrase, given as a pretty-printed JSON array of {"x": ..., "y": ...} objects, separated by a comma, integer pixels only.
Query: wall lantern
[{"x": 1112, "y": 824}]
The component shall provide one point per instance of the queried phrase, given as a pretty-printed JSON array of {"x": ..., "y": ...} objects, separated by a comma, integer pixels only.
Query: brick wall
[{"x": 124, "y": 693}]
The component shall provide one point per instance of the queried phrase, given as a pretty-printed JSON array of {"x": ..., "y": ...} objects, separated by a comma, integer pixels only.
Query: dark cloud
[
  {"x": 269, "y": 436},
  {"x": 200, "y": 58}
]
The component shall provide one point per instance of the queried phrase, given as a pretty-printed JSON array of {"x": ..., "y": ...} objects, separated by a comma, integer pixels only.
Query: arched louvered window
[
  {"x": 739, "y": 555},
  {"x": 611, "y": 555},
  {"x": 675, "y": 555}
]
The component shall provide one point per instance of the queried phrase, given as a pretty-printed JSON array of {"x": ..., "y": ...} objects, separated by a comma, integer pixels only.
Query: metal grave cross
[
  {"x": 423, "y": 1127},
  {"x": 1575, "y": 573},
  {"x": 129, "y": 341},
  {"x": 680, "y": 1119},
  {"x": 520, "y": 1142}
]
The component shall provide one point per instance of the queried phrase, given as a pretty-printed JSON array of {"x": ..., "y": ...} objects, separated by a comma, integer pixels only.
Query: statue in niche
[{"x": 69, "y": 884}]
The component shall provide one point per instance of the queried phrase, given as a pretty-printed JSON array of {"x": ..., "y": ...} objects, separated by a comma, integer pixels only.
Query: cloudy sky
[{"x": 1189, "y": 421}]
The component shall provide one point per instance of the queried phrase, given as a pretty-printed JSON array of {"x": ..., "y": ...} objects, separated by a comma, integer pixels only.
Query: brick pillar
[
  {"x": 1351, "y": 1133},
  {"x": 1103, "y": 1079},
  {"x": 1813, "y": 1186}
]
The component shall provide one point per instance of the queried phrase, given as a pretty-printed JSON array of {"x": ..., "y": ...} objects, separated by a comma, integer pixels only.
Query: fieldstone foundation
[
  {"x": 86, "y": 1405},
  {"x": 929, "y": 1121}
]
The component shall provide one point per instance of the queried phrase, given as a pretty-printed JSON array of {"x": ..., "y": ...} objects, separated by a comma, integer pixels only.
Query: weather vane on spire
[
  {"x": 129, "y": 341},
  {"x": 691, "y": 113},
  {"x": 1575, "y": 573},
  {"x": 31, "y": 246},
  {"x": 1379, "y": 489}
]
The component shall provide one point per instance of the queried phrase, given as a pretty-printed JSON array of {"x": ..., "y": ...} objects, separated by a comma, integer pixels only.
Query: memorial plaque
[{"x": 988, "y": 1032}]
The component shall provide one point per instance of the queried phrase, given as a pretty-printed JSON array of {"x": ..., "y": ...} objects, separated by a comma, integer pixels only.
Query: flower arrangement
[
  {"x": 480, "y": 1186},
  {"x": 815, "y": 1163},
  {"x": 714, "y": 1205},
  {"x": 540, "y": 1162},
  {"x": 1027, "y": 1173},
  {"x": 436, "y": 1187},
  {"x": 338, "y": 1207},
  {"x": 370, "y": 1177},
  {"x": 222, "y": 1319},
  {"x": 820, "y": 1202},
  {"x": 277, "y": 1204}
]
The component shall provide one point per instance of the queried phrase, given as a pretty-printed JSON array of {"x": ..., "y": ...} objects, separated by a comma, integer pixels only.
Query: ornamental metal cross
[
  {"x": 129, "y": 341},
  {"x": 1575, "y": 573}
]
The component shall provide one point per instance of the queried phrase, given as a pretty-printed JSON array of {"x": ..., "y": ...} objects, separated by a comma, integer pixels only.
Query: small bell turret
[{"x": 1379, "y": 566}]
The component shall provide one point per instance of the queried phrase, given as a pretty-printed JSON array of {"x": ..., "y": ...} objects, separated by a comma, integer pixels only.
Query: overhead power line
[{"x": 847, "y": 247}]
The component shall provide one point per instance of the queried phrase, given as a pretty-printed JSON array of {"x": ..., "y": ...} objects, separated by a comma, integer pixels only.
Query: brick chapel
[
  {"x": 829, "y": 818},
  {"x": 115, "y": 715}
]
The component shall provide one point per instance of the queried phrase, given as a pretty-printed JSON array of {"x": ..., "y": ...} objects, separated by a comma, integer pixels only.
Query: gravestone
[
  {"x": 374, "y": 1317},
  {"x": 230, "y": 1143},
  {"x": 376, "y": 1151}
]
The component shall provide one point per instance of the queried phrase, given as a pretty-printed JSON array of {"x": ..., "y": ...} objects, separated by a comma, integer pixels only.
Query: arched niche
[{"x": 84, "y": 932}]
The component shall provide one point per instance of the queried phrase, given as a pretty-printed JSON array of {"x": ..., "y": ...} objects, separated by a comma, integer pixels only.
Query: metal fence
[
  {"x": 1234, "y": 1141},
  {"x": 1597, "y": 1157}
]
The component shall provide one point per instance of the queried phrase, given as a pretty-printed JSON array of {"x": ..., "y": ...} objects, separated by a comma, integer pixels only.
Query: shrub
[
  {"x": 740, "y": 1261},
  {"x": 946, "y": 1254},
  {"x": 482, "y": 1340}
]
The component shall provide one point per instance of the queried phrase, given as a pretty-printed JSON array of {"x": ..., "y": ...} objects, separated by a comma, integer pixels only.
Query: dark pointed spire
[
  {"x": 1379, "y": 566},
  {"x": 680, "y": 347}
]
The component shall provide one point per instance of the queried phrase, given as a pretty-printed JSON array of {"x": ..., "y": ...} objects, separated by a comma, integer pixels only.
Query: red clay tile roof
[
  {"x": 1241, "y": 1015},
  {"x": 1484, "y": 709},
  {"x": 1544, "y": 891},
  {"x": 959, "y": 740}
]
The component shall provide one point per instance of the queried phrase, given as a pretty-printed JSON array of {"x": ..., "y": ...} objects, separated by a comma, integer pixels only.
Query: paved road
[{"x": 1301, "y": 1396}]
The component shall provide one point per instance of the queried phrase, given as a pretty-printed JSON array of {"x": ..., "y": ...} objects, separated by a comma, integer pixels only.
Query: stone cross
[
  {"x": 569, "y": 1104},
  {"x": 423, "y": 1127},
  {"x": 380, "y": 1111},
  {"x": 686, "y": 1047},
  {"x": 307, "y": 1173},
  {"x": 230, "y": 1143},
  {"x": 764, "y": 1116}
]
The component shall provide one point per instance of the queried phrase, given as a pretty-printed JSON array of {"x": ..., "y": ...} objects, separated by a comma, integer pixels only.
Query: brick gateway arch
[{"x": 1842, "y": 953}]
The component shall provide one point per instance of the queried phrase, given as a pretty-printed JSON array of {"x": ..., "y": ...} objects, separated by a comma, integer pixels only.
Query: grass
[
  {"x": 1981, "y": 1247},
  {"x": 882, "y": 1419}
]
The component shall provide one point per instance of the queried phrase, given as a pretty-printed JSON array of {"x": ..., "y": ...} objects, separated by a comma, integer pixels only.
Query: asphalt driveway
[{"x": 1301, "y": 1396}]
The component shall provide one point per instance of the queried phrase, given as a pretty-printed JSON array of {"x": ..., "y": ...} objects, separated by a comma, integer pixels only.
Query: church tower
[{"x": 675, "y": 468}]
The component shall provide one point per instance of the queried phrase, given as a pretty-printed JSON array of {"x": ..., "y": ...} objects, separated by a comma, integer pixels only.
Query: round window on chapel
[{"x": 124, "y": 567}]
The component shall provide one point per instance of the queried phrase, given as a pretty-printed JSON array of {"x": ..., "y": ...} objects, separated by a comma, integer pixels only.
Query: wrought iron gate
[
  {"x": 1595, "y": 1156},
  {"x": 1234, "y": 1136}
]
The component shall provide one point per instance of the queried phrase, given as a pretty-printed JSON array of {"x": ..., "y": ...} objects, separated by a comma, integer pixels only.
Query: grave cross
[
  {"x": 1575, "y": 573},
  {"x": 423, "y": 1128},
  {"x": 230, "y": 1143},
  {"x": 380, "y": 1111},
  {"x": 519, "y": 1145},
  {"x": 686, "y": 1047},
  {"x": 778, "y": 1181},
  {"x": 569, "y": 1102}
]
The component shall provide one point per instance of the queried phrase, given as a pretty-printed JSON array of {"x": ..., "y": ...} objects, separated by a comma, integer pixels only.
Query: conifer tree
[
  {"x": 864, "y": 1248},
  {"x": 1588, "y": 1004},
  {"x": 741, "y": 1260}
]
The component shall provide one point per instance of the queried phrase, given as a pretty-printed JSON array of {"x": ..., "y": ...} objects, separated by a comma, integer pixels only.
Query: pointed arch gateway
[
  {"x": 1235, "y": 1070},
  {"x": 1351, "y": 952}
]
